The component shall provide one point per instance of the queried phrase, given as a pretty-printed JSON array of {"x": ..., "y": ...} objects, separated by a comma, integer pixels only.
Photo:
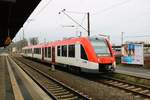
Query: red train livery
[{"x": 86, "y": 54}]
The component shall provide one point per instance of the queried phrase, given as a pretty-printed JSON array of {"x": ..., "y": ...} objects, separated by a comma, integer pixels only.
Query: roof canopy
[{"x": 13, "y": 14}]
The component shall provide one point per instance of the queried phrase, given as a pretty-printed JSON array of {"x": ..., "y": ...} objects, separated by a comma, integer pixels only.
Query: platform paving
[
  {"x": 134, "y": 70},
  {"x": 2, "y": 79},
  {"x": 6, "y": 91},
  {"x": 15, "y": 84}
]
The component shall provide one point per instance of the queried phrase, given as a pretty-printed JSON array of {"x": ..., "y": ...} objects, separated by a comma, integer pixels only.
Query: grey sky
[{"x": 109, "y": 17}]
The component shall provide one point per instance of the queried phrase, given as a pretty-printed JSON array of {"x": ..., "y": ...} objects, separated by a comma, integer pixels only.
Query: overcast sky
[{"x": 108, "y": 17}]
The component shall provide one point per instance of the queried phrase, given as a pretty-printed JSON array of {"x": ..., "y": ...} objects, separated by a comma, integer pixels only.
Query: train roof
[
  {"x": 64, "y": 42},
  {"x": 33, "y": 46}
]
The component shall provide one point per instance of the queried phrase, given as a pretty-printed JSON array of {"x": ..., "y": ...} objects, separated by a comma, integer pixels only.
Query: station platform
[
  {"x": 134, "y": 70},
  {"x": 15, "y": 84}
]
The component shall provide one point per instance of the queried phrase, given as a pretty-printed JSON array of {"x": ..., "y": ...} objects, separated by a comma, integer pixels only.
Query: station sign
[
  {"x": 7, "y": 40},
  {"x": 132, "y": 53}
]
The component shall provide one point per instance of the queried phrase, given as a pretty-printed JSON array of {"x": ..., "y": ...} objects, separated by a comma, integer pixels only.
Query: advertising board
[{"x": 132, "y": 53}]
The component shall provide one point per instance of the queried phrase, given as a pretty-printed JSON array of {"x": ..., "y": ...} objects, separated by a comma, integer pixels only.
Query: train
[{"x": 85, "y": 54}]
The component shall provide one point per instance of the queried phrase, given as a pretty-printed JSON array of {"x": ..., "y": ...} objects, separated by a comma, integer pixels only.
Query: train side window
[
  {"x": 49, "y": 52},
  {"x": 37, "y": 50},
  {"x": 46, "y": 52},
  {"x": 58, "y": 50},
  {"x": 30, "y": 50},
  {"x": 34, "y": 51},
  {"x": 71, "y": 49},
  {"x": 83, "y": 53},
  {"x": 64, "y": 51}
]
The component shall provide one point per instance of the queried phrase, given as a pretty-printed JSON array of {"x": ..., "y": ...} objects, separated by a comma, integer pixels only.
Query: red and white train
[{"x": 87, "y": 54}]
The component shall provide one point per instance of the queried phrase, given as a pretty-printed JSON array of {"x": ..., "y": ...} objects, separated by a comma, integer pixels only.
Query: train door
[
  {"x": 32, "y": 52},
  {"x": 53, "y": 55},
  {"x": 42, "y": 53}
]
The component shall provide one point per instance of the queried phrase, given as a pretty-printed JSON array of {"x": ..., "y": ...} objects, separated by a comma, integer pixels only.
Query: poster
[{"x": 132, "y": 54}]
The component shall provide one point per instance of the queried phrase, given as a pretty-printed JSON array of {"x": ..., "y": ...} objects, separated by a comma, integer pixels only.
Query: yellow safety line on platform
[
  {"x": 37, "y": 92},
  {"x": 16, "y": 89}
]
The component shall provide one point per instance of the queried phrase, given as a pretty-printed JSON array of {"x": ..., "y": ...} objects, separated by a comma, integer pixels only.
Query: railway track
[
  {"x": 136, "y": 89},
  {"x": 131, "y": 88},
  {"x": 54, "y": 88}
]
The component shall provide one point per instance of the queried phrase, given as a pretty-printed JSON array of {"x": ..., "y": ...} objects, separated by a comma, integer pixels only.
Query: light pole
[
  {"x": 22, "y": 32},
  {"x": 88, "y": 20},
  {"x": 122, "y": 38},
  {"x": 23, "y": 27}
]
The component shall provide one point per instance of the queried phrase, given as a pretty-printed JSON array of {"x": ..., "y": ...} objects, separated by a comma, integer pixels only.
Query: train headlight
[{"x": 109, "y": 66}]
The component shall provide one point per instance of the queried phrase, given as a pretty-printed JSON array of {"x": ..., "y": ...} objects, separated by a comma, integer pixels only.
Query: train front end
[{"x": 104, "y": 54}]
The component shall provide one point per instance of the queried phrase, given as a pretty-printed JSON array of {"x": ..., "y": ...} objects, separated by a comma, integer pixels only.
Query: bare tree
[{"x": 34, "y": 41}]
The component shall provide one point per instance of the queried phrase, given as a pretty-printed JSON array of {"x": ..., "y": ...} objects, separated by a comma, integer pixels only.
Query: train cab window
[
  {"x": 64, "y": 51},
  {"x": 71, "y": 49},
  {"x": 83, "y": 53},
  {"x": 58, "y": 50},
  {"x": 100, "y": 46},
  {"x": 46, "y": 52},
  {"x": 49, "y": 52}
]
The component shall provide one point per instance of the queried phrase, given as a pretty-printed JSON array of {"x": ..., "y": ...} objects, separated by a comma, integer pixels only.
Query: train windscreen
[{"x": 100, "y": 46}]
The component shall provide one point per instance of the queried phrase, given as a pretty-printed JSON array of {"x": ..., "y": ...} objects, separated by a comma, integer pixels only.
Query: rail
[{"x": 57, "y": 90}]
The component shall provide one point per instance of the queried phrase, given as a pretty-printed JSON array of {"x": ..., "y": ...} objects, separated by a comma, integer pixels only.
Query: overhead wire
[
  {"x": 42, "y": 9},
  {"x": 73, "y": 20},
  {"x": 137, "y": 36},
  {"x": 83, "y": 19},
  {"x": 111, "y": 7},
  {"x": 75, "y": 12}
]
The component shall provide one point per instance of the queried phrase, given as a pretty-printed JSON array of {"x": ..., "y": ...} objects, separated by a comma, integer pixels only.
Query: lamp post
[
  {"x": 122, "y": 38},
  {"x": 23, "y": 30}
]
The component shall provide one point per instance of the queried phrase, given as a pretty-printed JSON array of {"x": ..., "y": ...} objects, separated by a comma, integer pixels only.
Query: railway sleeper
[
  {"x": 66, "y": 96},
  {"x": 53, "y": 89},
  {"x": 148, "y": 94},
  {"x": 59, "y": 91},
  {"x": 144, "y": 91},
  {"x": 125, "y": 85},
  {"x": 115, "y": 82},
  {"x": 136, "y": 89},
  {"x": 110, "y": 81},
  {"x": 130, "y": 87},
  {"x": 62, "y": 93},
  {"x": 72, "y": 98},
  {"x": 51, "y": 83}
]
